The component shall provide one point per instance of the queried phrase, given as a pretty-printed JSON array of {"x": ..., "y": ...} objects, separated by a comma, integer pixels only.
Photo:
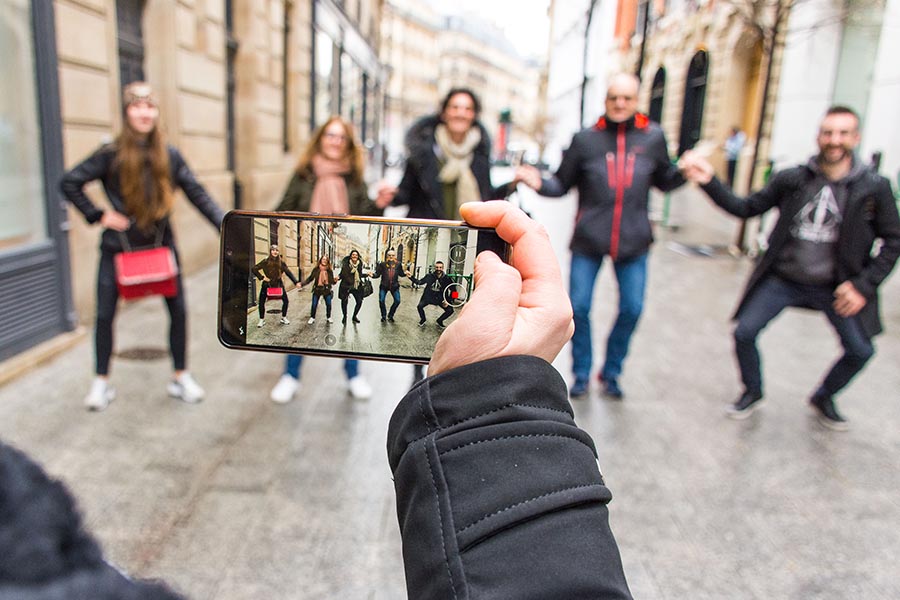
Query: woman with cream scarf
[{"x": 448, "y": 161}]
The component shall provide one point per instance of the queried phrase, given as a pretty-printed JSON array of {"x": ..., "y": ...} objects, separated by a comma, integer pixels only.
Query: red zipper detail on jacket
[{"x": 620, "y": 192}]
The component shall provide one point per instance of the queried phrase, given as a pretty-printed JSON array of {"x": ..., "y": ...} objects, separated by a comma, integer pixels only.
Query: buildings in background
[
  {"x": 770, "y": 68},
  {"x": 428, "y": 52}
]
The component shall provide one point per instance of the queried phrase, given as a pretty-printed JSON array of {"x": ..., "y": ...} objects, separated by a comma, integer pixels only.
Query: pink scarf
[{"x": 329, "y": 196}]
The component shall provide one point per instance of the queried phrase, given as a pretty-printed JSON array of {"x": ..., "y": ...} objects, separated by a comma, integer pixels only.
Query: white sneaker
[
  {"x": 285, "y": 390},
  {"x": 261, "y": 323},
  {"x": 311, "y": 320},
  {"x": 330, "y": 320},
  {"x": 185, "y": 388},
  {"x": 100, "y": 395},
  {"x": 360, "y": 388},
  {"x": 285, "y": 321}
]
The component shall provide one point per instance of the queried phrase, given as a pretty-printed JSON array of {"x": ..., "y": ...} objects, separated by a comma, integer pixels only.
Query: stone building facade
[{"x": 241, "y": 84}]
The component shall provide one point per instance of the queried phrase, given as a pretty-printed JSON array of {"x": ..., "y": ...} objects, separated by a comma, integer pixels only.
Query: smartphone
[{"x": 428, "y": 265}]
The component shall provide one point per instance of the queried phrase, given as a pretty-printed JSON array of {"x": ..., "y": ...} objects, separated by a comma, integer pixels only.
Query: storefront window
[
  {"x": 351, "y": 92},
  {"x": 22, "y": 217},
  {"x": 324, "y": 102}
]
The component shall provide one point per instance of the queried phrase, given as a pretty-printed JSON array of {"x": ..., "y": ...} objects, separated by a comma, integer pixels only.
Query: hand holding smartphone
[{"x": 422, "y": 274}]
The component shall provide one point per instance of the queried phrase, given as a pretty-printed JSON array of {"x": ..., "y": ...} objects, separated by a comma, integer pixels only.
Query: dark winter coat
[
  {"x": 100, "y": 165},
  {"x": 614, "y": 165},
  {"x": 420, "y": 187},
  {"x": 320, "y": 290},
  {"x": 271, "y": 270},
  {"x": 45, "y": 552},
  {"x": 870, "y": 214},
  {"x": 388, "y": 283},
  {"x": 499, "y": 494},
  {"x": 346, "y": 276},
  {"x": 298, "y": 195},
  {"x": 431, "y": 281}
]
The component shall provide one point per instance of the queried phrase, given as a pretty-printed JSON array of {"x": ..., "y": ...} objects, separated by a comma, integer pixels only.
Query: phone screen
[{"x": 369, "y": 288}]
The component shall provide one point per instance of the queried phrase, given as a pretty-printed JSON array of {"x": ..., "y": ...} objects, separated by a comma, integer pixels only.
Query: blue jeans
[
  {"x": 293, "y": 362},
  {"x": 631, "y": 275},
  {"x": 382, "y": 294},
  {"x": 315, "y": 305},
  {"x": 771, "y": 296}
]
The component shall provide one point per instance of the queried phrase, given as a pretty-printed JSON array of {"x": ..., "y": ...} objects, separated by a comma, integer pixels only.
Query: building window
[
  {"x": 657, "y": 94},
  {"x": 22, "y": 206},
  {"x": 323, "y": 68},
  {"x": 129, "y": 15},
  {"x": 694, "y": 99}
]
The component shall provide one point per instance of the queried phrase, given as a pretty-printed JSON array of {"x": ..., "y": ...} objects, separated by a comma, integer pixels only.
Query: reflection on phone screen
[{"x": 367, "y": 289}]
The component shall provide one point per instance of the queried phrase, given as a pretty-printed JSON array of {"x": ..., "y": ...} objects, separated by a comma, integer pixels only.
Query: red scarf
[{"x": 329, "y": 196}]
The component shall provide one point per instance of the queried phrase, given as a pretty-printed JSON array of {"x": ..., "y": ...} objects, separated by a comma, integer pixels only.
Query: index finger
[{"x": 533, "y": 255}]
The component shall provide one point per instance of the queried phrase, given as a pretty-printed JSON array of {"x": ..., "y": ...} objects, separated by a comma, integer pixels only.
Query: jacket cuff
[{"x": 498, "y": 390}]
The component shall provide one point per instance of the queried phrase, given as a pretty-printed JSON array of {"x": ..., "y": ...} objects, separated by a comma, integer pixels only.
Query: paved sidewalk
[{"x": 241, "y": 498}]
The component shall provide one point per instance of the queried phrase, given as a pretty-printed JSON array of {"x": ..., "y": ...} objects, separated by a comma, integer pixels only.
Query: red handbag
[
  {"x": 274, "y": 292},
  {"x": 150, "y": 272}
]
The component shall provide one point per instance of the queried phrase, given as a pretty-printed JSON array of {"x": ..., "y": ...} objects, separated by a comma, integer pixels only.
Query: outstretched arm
[
  {"x": 494, "y": 410},
  {"x": 698, "y": 170}
]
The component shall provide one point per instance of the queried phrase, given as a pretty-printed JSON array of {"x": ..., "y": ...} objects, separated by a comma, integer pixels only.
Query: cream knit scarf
[{"x": 458, "y": 163}]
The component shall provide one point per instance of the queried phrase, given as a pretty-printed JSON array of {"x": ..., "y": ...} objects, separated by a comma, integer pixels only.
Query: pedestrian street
[{"x": 239, "y": 497}]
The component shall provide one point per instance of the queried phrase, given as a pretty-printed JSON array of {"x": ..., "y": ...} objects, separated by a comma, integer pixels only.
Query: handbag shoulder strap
[{"x": 160, "y": 231}]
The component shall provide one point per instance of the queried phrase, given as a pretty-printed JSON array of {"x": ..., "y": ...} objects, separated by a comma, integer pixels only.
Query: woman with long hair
[
  {"x": 329, "y": 179},
  {"x": 269, "y": 270},
  {"x": 323, "y": 276},
  {"x": 139, "y": 173},
  {"x": 351, "y": 278}
]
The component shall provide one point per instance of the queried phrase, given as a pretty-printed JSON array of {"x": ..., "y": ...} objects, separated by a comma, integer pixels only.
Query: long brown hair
[
  {"x": 354, "y": 149},
  {"x": 146, "y": 203}
]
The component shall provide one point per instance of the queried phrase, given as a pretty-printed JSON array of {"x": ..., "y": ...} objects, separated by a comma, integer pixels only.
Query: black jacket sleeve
[
  {"x": 885, "y": 223},
  {"x": 72, "y": 184},
  {"x": 196, "y": 193},
  {"x": 286, "y": 271},
  {"x": 499, "y": 494},
  {"x": 755, "y": 204},
  {"x": 566, "y": 175}
]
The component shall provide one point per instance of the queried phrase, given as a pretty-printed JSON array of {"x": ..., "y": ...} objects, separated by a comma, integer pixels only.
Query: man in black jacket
[
  {"x": 821, "y": 255},
  {"x": 614, "y": 164},
  {"x": 499, "y": 494},
  {"x": 390, "y": 272},
  {"x": 436, "y": 284}
]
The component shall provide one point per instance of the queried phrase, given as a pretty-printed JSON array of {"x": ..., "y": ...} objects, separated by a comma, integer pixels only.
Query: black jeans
[
  {"x": 263, "y": 297},
  {"x": 448, "y": 310},
  {"x": 773, "y": 295},
  {"x": 357, "y": 296},
  {"x": 107, "y": 301}
]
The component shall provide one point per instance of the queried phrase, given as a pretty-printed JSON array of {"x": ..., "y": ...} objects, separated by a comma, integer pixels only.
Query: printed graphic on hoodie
[{"x": 819, "y": 220}]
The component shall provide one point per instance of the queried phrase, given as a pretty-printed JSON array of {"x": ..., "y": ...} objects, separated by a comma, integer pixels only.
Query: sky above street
[{"x": 525, "y": 22}]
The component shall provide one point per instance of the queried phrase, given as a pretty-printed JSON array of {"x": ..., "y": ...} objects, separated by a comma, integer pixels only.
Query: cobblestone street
[{"x": 241, "y": 498}]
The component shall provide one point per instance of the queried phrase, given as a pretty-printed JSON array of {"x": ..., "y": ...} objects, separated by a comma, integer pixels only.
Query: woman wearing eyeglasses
[{"x": 329, "y": 181}]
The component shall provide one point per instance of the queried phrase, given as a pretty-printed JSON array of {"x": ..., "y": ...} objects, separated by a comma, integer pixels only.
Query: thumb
[{"x": 495, "y": 299}]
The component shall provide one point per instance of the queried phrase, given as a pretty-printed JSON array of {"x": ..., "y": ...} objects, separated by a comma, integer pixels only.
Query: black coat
[
  {"x": 45, "y": 552},
  {"x": 431, "y": 295},
  {"x": 499, "y": 494},
  {"x": 420, "y": 187},
  {"x": 870, "y": 214},
  {"x": 614, "y": 165},
  {"x": 101, "y": 165}
]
